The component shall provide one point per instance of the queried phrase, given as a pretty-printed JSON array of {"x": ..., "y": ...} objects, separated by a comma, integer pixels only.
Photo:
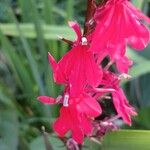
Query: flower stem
[{"x": 91, "y": 6}]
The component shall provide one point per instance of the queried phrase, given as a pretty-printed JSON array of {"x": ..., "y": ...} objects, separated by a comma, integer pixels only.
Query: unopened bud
[{"x": 72, "y": 144}]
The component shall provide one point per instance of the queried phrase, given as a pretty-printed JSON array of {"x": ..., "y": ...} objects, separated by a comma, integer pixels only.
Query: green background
[{"x": 28, "y": 30}]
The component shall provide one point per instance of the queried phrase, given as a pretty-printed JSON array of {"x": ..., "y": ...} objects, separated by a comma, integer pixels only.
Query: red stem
[{"x": 91, "y": 6}]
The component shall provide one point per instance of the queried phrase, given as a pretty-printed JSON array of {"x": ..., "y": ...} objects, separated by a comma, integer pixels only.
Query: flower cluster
[{"x": 116, "y": 24}]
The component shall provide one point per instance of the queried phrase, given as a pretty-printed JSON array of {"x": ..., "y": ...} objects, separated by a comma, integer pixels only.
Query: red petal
[
  {"x": 57, "y": 71},
  {"x": 78, "y": 135},
  {"x": 140, "y": 14},
  {"x": 137, "y": 33},
  {"x": 62, "y": 124},
  {"x": 122, "y": 106},
  {"x": 52, "y": 62},
  {"x": 76, "y": 28},
  {"x": 90, "y": 106},
  {"x": 123, "y": 64},
  {"x": 46, "y": 100}
]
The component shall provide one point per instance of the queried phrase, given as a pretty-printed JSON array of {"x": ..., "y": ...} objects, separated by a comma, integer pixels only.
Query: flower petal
[
  {"x": 122, "y": 106},
  {"x": 52, "y": 62},
  {"x": 76, "y": 28},
  {"x": 46, "y": 100},
  {"x": 89, "y": 106}
]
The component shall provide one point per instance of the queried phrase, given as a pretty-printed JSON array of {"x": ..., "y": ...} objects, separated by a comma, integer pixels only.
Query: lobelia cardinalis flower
[
  {"x": 77, "y": 67},
  {"x": 76, "y": 114},
  {"x": 123, "y": 63},
  {"x": 119, "y": 23},
  {"x": 77, "y": 70},
  {"x": 122, "y": 106},
  {"x": 85, "y": 82},
  {"x": 77, "y": 117}
]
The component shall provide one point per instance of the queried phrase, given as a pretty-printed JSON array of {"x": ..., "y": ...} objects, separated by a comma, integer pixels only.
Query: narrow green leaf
[
  {"x": 140, "y": 66},
  {"x": 9, "y": 130},
  {"x": 140, "y": 69},
  {"x": 39, "y": 32},
  {"x": 138, "y": 4},
  {"x": 16, "y": 63},
  {"x": 24, "y": 6},
  {"x": 48, "y": 11},
  {"x": 38, "y": 143},
  {"x": 32, "y": 62},
  {"x": 127, "y": 140},
  {"x": 70, "y": 9},
  {"x": 5, "y": 99},
  {"x": 28, "y": 31}
]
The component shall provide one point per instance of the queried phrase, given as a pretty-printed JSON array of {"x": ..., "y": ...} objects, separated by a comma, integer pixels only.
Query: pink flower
[
  {"x": 76, "y": 115},
  {"x": 122, "y": 62},
  {"x": 121, "y": 104},
  {"x": 47, "y": 100},
  {"x": 123, "y": 108},
  {"x": 77, "y": 67},
  {"x": 119, "y": 23}
]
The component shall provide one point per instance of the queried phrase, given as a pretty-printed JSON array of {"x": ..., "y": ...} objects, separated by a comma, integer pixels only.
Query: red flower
[
  {"x": 123, "y": 108},
  {"x": 77, "y": 67},
  {"x": 119, "y": 23},
  {"x": 122, "y": 62},
  {"x": 76, "y": 115}
]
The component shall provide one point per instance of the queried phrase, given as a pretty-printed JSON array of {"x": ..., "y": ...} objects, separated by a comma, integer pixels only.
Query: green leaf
[
  {"x": 91, "y": 144},
  {"x": 17, "y": 65},
  {"x": 9, "y": 130},
  {"x": 5, "y": 99},
  {"x": 28, "y": 31},
  {"x": 70, "y": 9},
  {"x": 140, "y": 66},
  {"x": 38, "y": 143},
  {"x": 143, "y": 122},
  {"x": 127, "y": 140},
  {"x": 29, "y": 54},
  {"x": 138, "y": 4},
  {"x": 139, "y": 91},
  {"x": 140, "y": 69}
]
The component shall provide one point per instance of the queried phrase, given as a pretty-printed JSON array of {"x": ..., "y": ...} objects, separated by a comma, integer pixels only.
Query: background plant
[{"x": 28, "y": 30}]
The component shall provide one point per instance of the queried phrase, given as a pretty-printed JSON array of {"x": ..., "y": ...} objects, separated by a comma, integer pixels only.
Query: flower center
[
  {"x": 84, "y": 41},
  {"x": 58, "y": 99},
  {"x": 66, "y": 99}
]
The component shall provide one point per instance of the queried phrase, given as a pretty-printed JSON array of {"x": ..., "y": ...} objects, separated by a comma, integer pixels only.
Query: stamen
[
  {"x": 65, "y": 40},
  {"x": 125, "y": 76},
  {"x": 58, "y": 99},
  {"x": 66, "y": 99},
  {"x": 104, "y": 90},
  {"x": 108, "y": 65},
  {"x": 113, "y": 118},
  {"x": 105, "y": 97},
  {"x": 106, "y": 123},
  {"x": 84, "y": 41}
]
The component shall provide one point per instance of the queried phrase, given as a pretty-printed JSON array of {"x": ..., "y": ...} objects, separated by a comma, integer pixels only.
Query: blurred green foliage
[{"x": 28, "y": 30}]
